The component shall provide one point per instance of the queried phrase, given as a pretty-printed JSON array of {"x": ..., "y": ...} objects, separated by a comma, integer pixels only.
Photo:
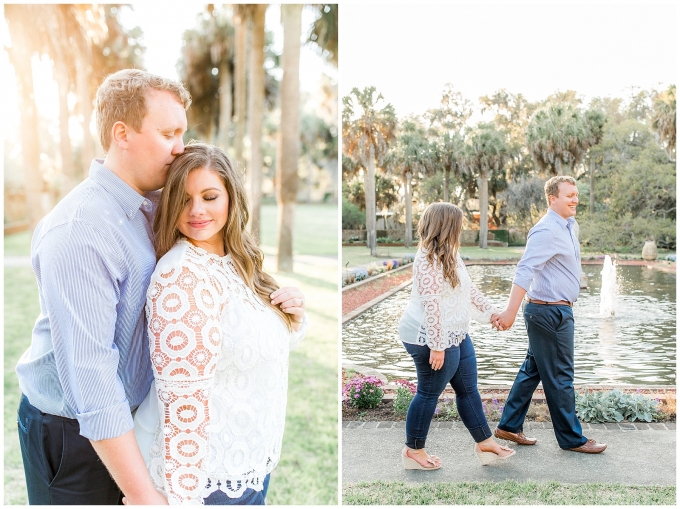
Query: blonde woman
[
  {"x": 434, "y": 330},
  {"x": 220, "y": 331}
]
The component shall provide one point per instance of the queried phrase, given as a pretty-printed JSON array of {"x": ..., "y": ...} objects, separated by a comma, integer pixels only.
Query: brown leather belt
[{"x": 558, "y": 303}]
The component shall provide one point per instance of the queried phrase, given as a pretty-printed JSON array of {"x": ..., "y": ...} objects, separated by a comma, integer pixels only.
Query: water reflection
[{"x": 637, "y": 346}]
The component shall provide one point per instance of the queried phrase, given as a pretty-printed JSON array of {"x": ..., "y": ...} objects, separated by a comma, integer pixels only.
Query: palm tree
[
  {"x": 288, "y": 136},
  {"x": 486, "y": 153},
  {"x": 366, "y": 136},
  {"x": 410, "y": 155},
  {"x": 595, "y": 120},
  {"x": 447, "y": 124},
  {"x": 558, "y": 135},
  {"x": 241, "y": 18},
  {"x": 256, "y": 114},
  {"x": 324, "y": 32},
  {"x": 21, "y": 24},
  {"x": 663, "y": 120}
]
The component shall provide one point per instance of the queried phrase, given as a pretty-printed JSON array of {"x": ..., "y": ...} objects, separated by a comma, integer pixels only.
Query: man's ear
[{"x": 119, "y": 134}]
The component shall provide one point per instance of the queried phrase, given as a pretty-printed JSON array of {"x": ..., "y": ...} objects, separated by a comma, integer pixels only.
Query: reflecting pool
[{"x": 636, "y": 346}]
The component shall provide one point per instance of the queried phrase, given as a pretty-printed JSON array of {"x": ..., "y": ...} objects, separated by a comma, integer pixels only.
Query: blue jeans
[
  {"x": 249, "y": 497},
  {"x": 460, "y": 370},
  {"x": 549, "y": 359}
]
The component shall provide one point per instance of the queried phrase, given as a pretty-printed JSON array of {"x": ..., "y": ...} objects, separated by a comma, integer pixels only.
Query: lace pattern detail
[
  {"x": 445, "y": 311},
  {"x": 220, "y": 359}
]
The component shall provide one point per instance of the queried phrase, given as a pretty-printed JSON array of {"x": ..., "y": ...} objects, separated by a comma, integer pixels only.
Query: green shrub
[
  {"x": 501, "y": 235},
  {"x": 615, "y": 406},
  {"x": 405, "y": 393},
  {"x": 352, "y": 217}
]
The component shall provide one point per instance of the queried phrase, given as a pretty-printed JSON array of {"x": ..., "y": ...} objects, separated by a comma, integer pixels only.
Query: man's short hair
[
  {"x": 122, "y": 97},
  {"x": 552, "y": 186}
]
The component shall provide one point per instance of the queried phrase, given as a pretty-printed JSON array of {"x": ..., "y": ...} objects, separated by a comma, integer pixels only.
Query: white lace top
[
  {"x": 220, "y": 359},
  {"x": 438, "y": 315}
]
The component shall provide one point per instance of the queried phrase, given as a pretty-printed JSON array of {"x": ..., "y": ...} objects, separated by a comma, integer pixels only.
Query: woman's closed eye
[{"x": 210, "y": 198}]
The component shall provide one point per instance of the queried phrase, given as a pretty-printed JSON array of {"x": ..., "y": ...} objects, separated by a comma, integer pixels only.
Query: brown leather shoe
[
  {"x": 590, "y": 447},
  {"x": 519, "y": 437}
]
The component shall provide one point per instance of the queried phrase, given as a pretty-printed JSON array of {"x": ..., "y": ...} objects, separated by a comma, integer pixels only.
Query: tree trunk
[
  {"x": 483, "y": 209},
  {"x": 447, "y": 176},
  {"x": 369, "y": 193},
  {"x": 408, "y": 234},
  {"x": 592, "y": 188},
  {"x": 240, "y": 88},
  {"x": 310, "y": 180},
  {"x": 85, "y": 106},
  {"x": 256, "y": 114},
  {"x": 289, "y": 133},
  {"x": 225, "y": 105},
  {"x": 20, "y": 58},
  {"x": 63, "y": 86}
]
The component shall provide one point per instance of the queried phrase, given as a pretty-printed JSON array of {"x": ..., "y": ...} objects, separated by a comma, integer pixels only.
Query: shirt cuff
[
  {"x": 110, "y": 422},
  {"x": 298, "y": 335},
  {"x": 523, "y": 282}
]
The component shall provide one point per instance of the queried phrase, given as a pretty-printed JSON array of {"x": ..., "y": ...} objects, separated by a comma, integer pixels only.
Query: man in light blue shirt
[
  {"x": 88, "y": 366},
  {"x": 548, "y": 280}
]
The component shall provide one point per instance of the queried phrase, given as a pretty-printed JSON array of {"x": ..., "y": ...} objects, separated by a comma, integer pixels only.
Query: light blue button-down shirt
[
  {"x": 550, "y": 269},
  {"x": 93, "y": 257}
]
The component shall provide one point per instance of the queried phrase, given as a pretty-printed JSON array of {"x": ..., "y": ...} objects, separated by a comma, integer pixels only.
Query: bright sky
[{"x": 409, "y": 52}]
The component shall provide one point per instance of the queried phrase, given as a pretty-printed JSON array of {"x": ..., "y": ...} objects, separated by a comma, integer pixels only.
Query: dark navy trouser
[
  {"x": 61, "y": 466},
  {"x": 459, "y": 370},
  {"x": 550, "y": 359}
]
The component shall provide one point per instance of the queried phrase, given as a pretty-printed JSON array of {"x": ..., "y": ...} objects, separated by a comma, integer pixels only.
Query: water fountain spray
[{"x": 608, "y": 291}]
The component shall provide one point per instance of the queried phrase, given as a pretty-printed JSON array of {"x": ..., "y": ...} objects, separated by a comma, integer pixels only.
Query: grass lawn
[
  {"x": 360, "y": 255},
  {"x": 505, "y": 493},
  {"x": 308, "y": 470}
]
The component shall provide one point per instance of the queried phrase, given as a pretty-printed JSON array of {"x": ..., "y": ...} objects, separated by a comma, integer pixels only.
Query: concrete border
[{"x": 356, "y": 312}]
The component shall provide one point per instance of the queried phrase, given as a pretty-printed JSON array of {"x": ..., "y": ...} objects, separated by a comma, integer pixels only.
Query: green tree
[
  {"x": 558, "y": 136},
  {"x": 367, "y": 131},
  {"x": 485, "y": 154},
  {"x": 663, "y": 120},
  {"x": 408, "y": 156},
  {"x": 446, "y": 126}
]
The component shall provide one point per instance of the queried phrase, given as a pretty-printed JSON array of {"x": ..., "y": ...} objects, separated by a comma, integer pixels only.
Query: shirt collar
[
  {"x": 560, "y": 220},
  {"x": 129, "y": 199}
]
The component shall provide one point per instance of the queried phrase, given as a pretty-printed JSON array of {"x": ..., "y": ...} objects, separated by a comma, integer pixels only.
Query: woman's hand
[
  {"x": 437, "y": 359},
  {"x": 292, "y": 302}
]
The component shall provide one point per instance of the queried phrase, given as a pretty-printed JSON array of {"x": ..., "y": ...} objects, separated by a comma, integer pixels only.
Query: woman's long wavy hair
[
  {"x": 439, "y": 232},
  {"x": 238, "y": 242}
]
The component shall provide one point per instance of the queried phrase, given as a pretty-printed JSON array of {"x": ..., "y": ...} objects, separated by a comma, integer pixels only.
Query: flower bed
[
  {"x": 352, "y": 276},
  {"x": 629, "y": 405}
]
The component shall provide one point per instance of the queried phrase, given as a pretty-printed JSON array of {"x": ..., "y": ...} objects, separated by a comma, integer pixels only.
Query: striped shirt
[
  {"x": 93, "y": 257},
  {"x": 550, "y": 269}
]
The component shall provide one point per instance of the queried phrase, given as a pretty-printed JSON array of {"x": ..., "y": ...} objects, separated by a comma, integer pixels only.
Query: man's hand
[
  {"x": 504, "y": 320},
  {"x": 437, "y": 359}
]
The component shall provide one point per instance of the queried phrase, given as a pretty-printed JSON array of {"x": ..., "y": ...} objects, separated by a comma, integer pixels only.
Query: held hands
[
  {"x": 436, "y": 359},
  {"x": 502, "y": 321},
  {"x": 292, "y": 301}
]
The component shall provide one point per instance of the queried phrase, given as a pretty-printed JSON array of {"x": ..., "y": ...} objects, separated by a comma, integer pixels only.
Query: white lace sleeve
[
  {"x": 297, "y": 336},
  {"x": 429, "y": 281},
  {"x": 184, "y": 312},
  {"x": 480, "y": 309}
]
